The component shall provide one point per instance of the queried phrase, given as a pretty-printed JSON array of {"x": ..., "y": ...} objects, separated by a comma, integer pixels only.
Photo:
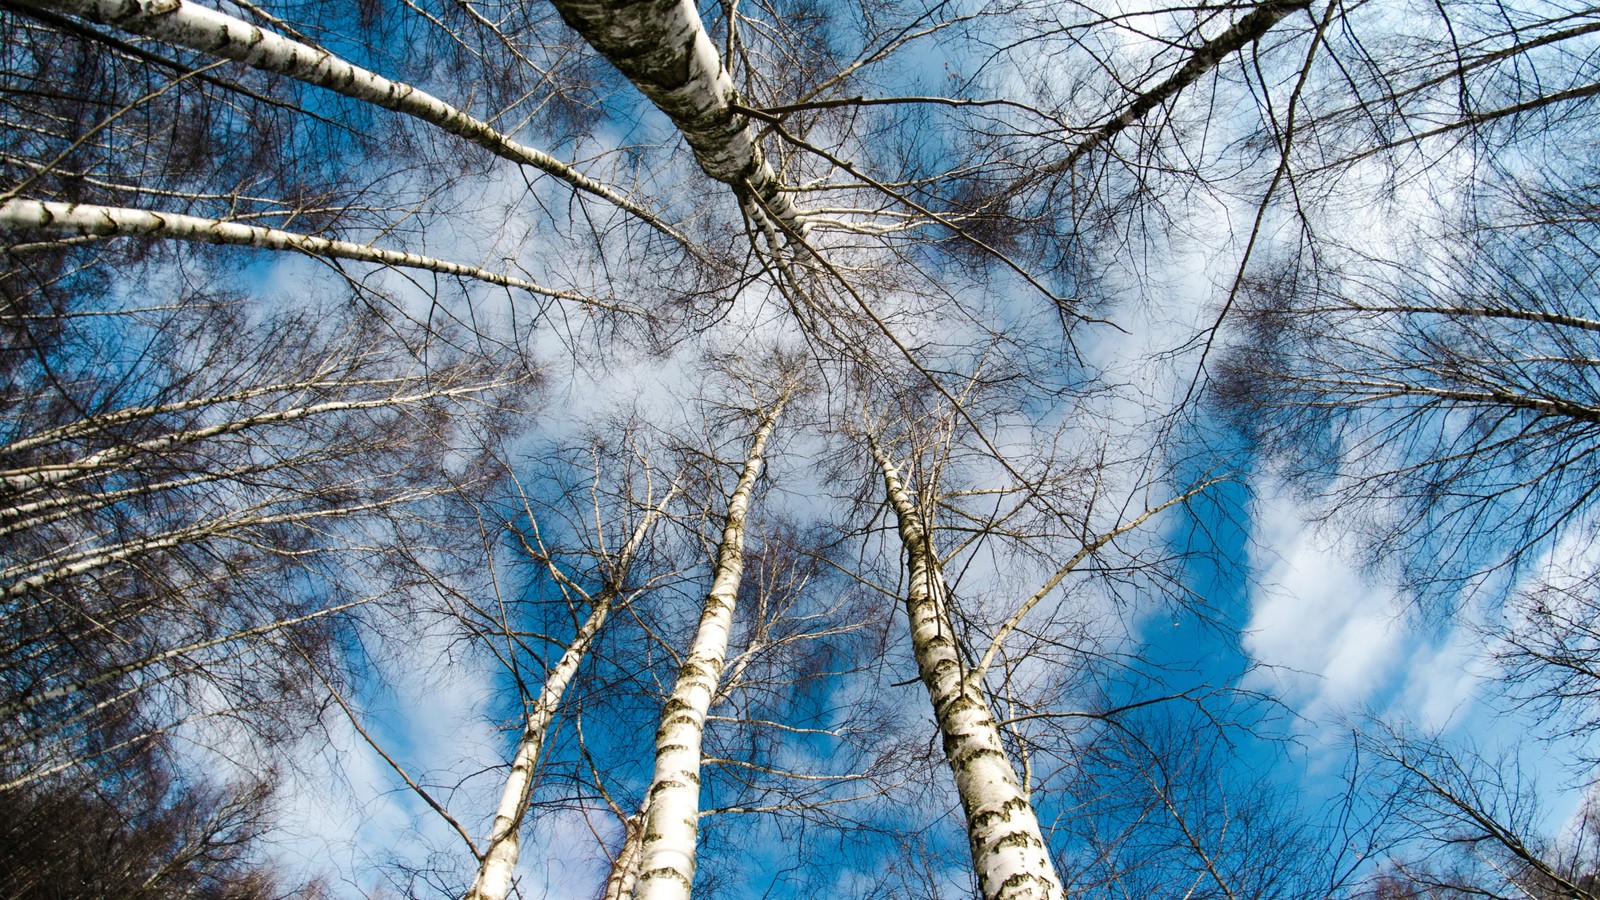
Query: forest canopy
[{"x": 910, "y": 448}]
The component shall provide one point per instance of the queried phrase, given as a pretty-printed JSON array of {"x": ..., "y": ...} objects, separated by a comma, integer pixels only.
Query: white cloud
[
  {"x": 1330, "y": 638},
  {"x": 1336, "y": 642}
]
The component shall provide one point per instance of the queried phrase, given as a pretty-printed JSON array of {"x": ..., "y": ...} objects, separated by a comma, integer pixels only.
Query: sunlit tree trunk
[
  {"x": 501, "y": 850},
  {"x": 1009, "y": 855},
  {"x": 24, "y": 478},
  {"x": 50, "y": 217},
  {"x": 662, "y": 47},
  {"x": 671, "y": 823},
  {"x": 197, "y": 27},
  {"x": 625, "y": 870}
]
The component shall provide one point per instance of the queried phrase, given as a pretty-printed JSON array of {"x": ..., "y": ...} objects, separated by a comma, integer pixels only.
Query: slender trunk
[
  {"x": 65, "y": 505},
  {"x": 99, "y": 422},
  {"x": 503, "y": 847},
  {"x": 662, "y": 47},
  {"x": 1251, "y": 27},
  {"x": 671, "y": 825},
  {"x": 28, "y": 701},
  {"x": 209, "y": 31},
  {"x": 501, "y": 851},
  {"x": 625, "y": 871},
  {"x": 1009, "y": 854},
  {"x": 31, "y": 477},
  {"x": 116, "y": 221},
  {"x": 47, "y": 571}
]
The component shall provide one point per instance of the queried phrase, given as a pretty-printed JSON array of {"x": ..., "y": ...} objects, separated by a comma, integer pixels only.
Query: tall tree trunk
[
  {"x": 671, "y": 824},
  {"x": 662, "y": 47},
  {"x": 1009, "y": 854},
  {"x": 209, "y": 31},
  {"x": 500, "y": 854},
  {"x": 26, "y": 577},
  {"x": 51, "y": 217},
  {"x": 28, "y": 701},
  {"x": 30, "y": 477}
]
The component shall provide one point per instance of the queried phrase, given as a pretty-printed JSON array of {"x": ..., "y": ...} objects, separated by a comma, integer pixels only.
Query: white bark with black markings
[
  {"x": 671, "y": 824},
  {"x": 1009, "y": 854},
  {"x": 662, "y": 47},
  {"x": 207, "y": 30},
  {"x": 50, "y": 217}
]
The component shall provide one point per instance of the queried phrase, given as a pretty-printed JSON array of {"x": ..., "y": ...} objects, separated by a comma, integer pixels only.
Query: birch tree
[
  {"x": 966, "y": 672},
  {"x": 670, "y": 821},
  {"x": 289, "y": 182},
  {"x": 1009, "y": 853},
  {"x": 1461, "y": 822},
  {"x": 167, "y": 525},
  {"x": 618, "y": 585},
  {"x": 780, "y": 645}
]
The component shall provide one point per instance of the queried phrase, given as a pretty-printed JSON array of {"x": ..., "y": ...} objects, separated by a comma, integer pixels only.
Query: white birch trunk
[
  {"x": 209, "y": 31},
  {"x": 115, "y": 221},
  {"x": 66, "y": 504},
  {"x": 671, "y": 823},
  {"x": 1009, "y": 854},
  {"x": 625, "y": 871},
  {"x": 53, "y": 569},
  {"x": 500, "y": 854},
  {"x": 28, "y": 701},
  {"x": 100, "y": 422},
  {"x": 662, "y": 47},
  {"x": 31, "y": 477},
  {"x": 503, "y": 847}
]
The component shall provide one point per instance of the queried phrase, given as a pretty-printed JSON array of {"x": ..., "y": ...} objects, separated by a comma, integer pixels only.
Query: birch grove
[{"x": 550, "y": 449}]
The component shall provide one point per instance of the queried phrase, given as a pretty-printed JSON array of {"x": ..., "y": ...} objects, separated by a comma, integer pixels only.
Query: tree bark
[
  {"x": 28, "y": 478},
  {"x": 671, "y": 824},
  {"x": 1009, "y": 855},
  {"x": 114, "y": 221},
  {"x": 198, "y": 28},
  {"x": 625, "y": 871},
  {"x": 662, "y": 47},
  {"x": 502, "y": 849}
]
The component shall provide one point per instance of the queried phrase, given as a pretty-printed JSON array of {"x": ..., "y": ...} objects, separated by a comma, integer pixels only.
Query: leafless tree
[
  {"x": 140, "y": 832},
  {"x": 1460, "y": 824},
  {"x": 198, "y": 507},
  {"x": 481, "y": 178}
]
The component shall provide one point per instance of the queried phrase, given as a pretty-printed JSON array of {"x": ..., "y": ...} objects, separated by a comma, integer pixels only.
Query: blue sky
[{"x": 1187, "y": 697}]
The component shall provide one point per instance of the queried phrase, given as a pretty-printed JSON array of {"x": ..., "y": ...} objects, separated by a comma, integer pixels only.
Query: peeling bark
[
  {"x": 671, "y": 823},
  {"x": 662, "y": 47},
  {"x": 1009, "y": 854}
]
